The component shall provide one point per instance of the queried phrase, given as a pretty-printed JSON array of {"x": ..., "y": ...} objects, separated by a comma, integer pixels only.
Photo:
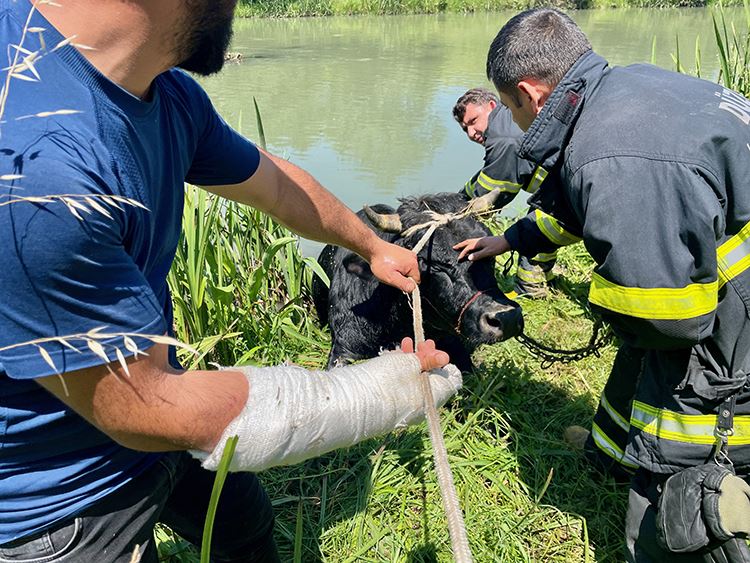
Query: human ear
[{"x": 533, "y": 94}]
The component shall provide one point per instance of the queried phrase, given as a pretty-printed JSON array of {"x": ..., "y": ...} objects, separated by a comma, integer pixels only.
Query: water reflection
[{"x": 364, "y": 103}]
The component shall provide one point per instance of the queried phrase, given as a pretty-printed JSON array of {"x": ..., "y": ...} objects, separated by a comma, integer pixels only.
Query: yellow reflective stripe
[
  {"x": 688, "y": 428},
  {"x": 531, "y": 276},
  {"x": 669, "y": 303},
  {"x": 536, "y": 180},
  {"x": 616, "y": 417},
  {"x": 552, "y": 229},
  {"x": 491, "y": 184},
  {"x": 605, "y": 443},
  {"x": 733, "y": 256},
  {"x": 545, "y": 256},
  {"x": 470, "y": 188}
]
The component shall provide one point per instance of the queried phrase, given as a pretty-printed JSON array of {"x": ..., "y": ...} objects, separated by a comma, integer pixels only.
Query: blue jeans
[{"x": 174, "y": 491}]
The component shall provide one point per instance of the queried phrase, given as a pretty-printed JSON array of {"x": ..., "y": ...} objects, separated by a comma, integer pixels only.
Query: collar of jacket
[
  {"x": 490, "y": 131},
  {"x": 501, "y": 128},
  {"x": 543, "y": 143}
]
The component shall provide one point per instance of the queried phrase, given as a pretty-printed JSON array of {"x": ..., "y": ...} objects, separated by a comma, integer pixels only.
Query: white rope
[{"x": 456, "y": 526}]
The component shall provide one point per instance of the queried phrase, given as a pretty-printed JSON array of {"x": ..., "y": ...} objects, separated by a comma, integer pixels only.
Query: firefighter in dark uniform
[
  {"x": 488, "y": 123},
  {"x": 652, "y": 168}
]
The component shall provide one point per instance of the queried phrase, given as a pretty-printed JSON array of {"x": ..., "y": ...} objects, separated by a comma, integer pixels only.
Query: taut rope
[{"x": 456, "y": 527}]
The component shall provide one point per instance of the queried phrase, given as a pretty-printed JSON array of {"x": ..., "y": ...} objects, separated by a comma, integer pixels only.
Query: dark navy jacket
[
  {"x": 652, "y": 168},
  {"x": 502, "y": 169}
]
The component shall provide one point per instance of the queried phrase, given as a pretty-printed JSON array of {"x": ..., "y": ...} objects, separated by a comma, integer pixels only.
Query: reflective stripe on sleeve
[
  {"x": 551, "y": 228},
  {"x": 536, "y": 180},
  {"x": 604, "y": 443},
  {"x": 733, "y": 256},
  {"x": 545, "y": 256},
  {"x": 688, "y": 428},
  {"x": 666, "y": 303},
  {"x": 490, "y": 184}
]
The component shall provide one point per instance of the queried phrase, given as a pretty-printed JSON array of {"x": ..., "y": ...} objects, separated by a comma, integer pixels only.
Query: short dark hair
[
  {"x": 542, "y": 43},
  {"x": 473, "y": 96}
]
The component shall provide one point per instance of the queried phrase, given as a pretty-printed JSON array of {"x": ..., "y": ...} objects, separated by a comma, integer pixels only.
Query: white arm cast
[{"x": 293, "y": 414}]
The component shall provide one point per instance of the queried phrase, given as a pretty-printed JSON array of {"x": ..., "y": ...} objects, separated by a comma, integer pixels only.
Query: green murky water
[{"x": 364, "y": 103}]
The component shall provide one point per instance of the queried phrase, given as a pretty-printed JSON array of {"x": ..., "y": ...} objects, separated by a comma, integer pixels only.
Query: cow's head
[{"x": 458, "y": 297}]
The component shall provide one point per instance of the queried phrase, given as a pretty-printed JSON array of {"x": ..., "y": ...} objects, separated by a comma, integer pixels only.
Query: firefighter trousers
[{"x": 605, "y": 447}]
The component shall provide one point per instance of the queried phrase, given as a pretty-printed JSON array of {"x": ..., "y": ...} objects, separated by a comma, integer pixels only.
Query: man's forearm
[
  {"x": 312, "y": 211},
  {"x": 152, "y": 407}
]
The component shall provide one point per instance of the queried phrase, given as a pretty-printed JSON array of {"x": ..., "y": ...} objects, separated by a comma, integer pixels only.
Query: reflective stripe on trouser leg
[
  {"x": 611, "y": 426},
  {"x": 533, "y": 272}
]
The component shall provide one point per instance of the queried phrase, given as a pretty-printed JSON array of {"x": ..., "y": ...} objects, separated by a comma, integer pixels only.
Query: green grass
[
  {"x": 241, "y": 291},
  {"x": 296, "y": 8},
  {"x": 526, "y": 495}
]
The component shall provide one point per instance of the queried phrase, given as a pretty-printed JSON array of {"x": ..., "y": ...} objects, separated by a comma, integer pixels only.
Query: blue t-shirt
[{"x": 65, "y": 270}]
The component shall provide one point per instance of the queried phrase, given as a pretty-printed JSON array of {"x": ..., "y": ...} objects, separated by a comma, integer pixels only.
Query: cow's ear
[{"x": 358, "y": 266}]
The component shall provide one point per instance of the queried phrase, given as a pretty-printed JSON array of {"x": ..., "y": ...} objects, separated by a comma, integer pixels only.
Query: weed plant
[
  {"x": 240, "y": 287},
  {"x": 734, "y": 52}
]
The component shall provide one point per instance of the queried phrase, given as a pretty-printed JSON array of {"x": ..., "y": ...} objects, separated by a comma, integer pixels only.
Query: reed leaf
[
  {"x": 213, "y": 503},
  {"x": 259, "y": 121}
]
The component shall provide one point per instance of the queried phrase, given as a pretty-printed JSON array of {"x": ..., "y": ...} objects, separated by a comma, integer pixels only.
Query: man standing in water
[
  {"x": 652, "y": 168},
  {"x": 83, "y": 473}
]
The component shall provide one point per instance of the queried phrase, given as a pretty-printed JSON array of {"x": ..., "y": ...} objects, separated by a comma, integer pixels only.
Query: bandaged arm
[
  {"x": 293, "y": 414},
  {"x": 153, "y": 407}
]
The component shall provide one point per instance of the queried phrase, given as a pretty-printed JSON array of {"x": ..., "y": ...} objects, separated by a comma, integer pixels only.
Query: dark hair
[
  {"x": 542, "y": 43},
  {"x": 473, "y": 96}
]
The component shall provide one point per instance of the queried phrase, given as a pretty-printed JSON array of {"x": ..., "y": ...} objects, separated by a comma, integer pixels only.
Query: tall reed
[
  {"x": 733, "y": 47},
  {"x": 734, "y": 52},
  {"x": 240, "y": 286}
]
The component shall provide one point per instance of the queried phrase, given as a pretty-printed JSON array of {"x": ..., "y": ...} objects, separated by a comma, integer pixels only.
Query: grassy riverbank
[
  {"x": 297, "y": 8},
  {"x": 241, "y": 293},
  {"x": 526, "y": 495}
]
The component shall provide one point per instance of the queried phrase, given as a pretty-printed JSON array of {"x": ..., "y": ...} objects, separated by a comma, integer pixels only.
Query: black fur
[{"x": 366, "y": 316}]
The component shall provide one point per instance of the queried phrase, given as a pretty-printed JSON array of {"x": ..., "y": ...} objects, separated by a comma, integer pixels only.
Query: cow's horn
[
  {"x": 388, "y": 222},
  {"x": 485, "y": 202}
]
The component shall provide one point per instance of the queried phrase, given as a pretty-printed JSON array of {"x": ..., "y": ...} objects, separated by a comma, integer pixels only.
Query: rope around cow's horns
[{"x": 456, "y": 527}]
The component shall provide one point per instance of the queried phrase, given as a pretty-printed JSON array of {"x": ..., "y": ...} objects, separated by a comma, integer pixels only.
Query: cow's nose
[{"x": 502, "y": 324}]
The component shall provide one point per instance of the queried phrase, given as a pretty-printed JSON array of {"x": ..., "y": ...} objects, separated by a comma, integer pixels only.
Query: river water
[{"x": 364, "y": 103}]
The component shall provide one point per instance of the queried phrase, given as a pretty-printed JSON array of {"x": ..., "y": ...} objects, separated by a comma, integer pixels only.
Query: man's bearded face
[{"x": 205, "y": 34}]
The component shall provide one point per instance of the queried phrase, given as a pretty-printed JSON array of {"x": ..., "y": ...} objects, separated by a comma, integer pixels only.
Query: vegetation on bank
[
  {"x": 297, "y": 8},
  {"x": 241, "y": 291},
  {"x": 525, "y": 494}
]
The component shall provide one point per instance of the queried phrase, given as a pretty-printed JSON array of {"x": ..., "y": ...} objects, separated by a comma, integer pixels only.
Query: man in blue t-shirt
[{"x": 98, "y": 133}]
